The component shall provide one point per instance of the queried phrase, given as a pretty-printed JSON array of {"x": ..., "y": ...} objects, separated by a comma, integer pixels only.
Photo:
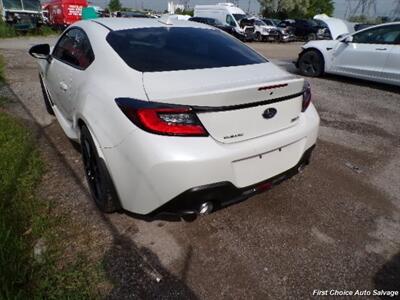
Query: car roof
[{"x": 115, "y": 24}]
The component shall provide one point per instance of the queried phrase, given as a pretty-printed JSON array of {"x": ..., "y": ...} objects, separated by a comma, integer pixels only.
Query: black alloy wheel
[
  {"x": 311, "y": 63},
  {"x": 97, "y": 176}
]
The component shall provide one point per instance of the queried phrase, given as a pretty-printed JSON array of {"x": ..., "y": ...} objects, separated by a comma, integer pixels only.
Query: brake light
[
  {"x": 175, "y": 121},
  {"x": 306, "y": 96}
]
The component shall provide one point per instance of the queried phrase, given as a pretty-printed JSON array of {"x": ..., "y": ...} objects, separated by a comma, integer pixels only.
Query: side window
[
  {"x": 74, "y": 49},
  {"x": 380, "y": 35},
  {"x": 230, "y": 20}
]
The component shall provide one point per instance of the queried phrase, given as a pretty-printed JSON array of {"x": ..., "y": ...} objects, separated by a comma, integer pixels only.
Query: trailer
[
  {"x": 24, "y": 15},
  {"x": 62, "y": 13}
]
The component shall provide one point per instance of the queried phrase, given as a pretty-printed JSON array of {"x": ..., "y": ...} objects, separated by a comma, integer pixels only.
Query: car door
[
  {"x": 70, "y": 58},
  {"x": 365, "y": 55},
  {"x": 391, "y": 70}
]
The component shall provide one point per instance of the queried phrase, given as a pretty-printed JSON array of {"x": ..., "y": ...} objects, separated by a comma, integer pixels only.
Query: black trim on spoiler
[
  {"x": 135, "y": 103},
  {"x": 245, "y": 105}
]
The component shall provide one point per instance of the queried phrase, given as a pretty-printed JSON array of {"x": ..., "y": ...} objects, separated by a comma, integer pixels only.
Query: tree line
[{"x": 286, "y": 9}]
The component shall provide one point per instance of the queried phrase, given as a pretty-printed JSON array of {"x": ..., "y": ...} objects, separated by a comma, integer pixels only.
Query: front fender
[{"x": 325, "y": 47}]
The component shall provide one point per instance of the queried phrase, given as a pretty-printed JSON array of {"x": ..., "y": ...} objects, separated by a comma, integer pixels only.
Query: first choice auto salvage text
[{"x": 355, "y": 293}]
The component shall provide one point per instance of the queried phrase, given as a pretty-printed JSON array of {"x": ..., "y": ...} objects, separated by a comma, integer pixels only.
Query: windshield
[
  {"x": 31, "y": 4},
  {"x": 12, "y": 4},
  {"x": 238, "y": 17},
  {"x": 17, "y": 4},
  {"x": 159, "y": 49},
  {"x": 276, "y": 21},
  {"x": 259, "y": 23}
]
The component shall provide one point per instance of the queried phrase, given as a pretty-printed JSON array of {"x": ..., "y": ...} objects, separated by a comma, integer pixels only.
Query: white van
[{"x": 227, "y": 13}]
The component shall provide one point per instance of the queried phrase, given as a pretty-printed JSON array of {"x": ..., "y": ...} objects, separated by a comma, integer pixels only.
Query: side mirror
[
  {"x": 348, "y": 39},
  {"x": 41, "y": 51}
]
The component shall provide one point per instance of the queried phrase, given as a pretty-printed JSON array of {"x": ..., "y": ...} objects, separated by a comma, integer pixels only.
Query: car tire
[
  {"x": 258, "y": 37},
  {"x": 311, "y": 37},
  {"x": 46, "y": 99},
  {"x": 311, "y": 63},
  {"x": 98, "y": 178}
]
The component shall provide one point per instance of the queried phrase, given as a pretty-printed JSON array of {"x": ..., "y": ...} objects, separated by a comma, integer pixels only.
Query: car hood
[
  {"x": 336, "y": 26},
  {"x": 219, "y": 86}
]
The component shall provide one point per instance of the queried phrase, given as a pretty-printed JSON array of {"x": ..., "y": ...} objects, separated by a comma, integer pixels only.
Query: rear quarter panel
[{"x": 107, "y": 79}]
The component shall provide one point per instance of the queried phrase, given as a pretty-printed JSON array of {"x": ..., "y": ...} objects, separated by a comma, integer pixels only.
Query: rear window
[{"x": 180, "y": 48}]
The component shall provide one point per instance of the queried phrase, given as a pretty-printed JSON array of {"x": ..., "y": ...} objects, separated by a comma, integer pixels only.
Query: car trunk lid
[{"x": 233, "y": 103}]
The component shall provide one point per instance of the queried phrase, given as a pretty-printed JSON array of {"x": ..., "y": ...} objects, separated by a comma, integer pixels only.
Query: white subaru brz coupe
[{"x": 174, "y": 115}]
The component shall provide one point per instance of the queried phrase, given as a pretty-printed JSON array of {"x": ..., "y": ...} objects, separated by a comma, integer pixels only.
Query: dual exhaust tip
[{"x": 205, "y": 208}]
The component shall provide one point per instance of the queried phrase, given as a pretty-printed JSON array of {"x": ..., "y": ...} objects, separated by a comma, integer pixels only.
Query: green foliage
[
  {"x": 24, "y": 219},
  {"x": 320, "y": 7},
  {"x": 6, "y": 31},
  {"x": 20, "y": 170},
  {"x": 189, "y": 12},
  {"x": 284, "y": 9},
  {"x": 114, "y": 5}
]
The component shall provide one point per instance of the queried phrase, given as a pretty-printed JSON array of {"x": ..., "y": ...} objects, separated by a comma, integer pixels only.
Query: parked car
[
  {"x": 302, "y": 29},
  {"x": 216, "y": 23},
  {"x": 130, "y": 14},
  {"x": 227, "y": 13},
  {"x": 264, "y": 32},
  {"x": 372, "y": 54},
  {"x": 284, "y": 35},
  {"x": 174, "y": 115}
]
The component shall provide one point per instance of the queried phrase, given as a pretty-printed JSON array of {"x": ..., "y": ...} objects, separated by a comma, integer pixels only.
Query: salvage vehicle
[
  {"x": 229, "y": 14},
  {"x": 303, "y": 29},
  {"x": 216, "y": 23},
  {"x": 62, "y": 13},
  {"x": 284, "y": 35},
  {"x": 264, "y": 32},
  {"x": 23, "y": 15},
  {"x": 175, "y": 115},
  {"x": 371, "y": 54}
]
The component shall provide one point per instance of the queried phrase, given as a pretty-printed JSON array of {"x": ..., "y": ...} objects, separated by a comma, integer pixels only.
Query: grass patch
[
  {"x": 7, "y": 31},
  {"x": 26, "y": 222}
]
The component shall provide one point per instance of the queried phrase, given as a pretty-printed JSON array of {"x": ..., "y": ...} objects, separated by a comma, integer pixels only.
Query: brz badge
[{"x": 269, "y": 113}]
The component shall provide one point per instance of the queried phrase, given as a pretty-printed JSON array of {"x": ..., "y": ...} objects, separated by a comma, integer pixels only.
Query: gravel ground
[{"x": 335, "y": 226}]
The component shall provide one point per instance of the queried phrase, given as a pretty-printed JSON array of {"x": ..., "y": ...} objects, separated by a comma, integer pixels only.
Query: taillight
[
  {"x": 306, "y": 96},
  {"x": 168, "y": 120}
]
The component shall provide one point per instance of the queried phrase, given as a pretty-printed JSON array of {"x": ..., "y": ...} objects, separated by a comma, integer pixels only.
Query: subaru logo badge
[{"x": 269, "y": 113}]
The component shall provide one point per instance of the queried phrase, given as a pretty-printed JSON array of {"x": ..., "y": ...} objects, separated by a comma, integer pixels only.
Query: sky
[{"x": 383, "y": 7}]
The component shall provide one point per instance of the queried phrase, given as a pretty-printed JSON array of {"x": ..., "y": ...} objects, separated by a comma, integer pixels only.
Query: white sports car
[
  {"x": 174, "y": 115},
  {"x": 371, "y": 54}
]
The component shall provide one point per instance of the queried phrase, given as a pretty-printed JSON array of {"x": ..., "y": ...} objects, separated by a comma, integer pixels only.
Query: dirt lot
[{"x": 331, "y": 227}]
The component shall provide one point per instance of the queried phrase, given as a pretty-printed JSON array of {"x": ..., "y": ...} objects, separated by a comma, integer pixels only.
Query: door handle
[
  {"x": 63, "y": 86},
  {"x": 381, "y": 49}
]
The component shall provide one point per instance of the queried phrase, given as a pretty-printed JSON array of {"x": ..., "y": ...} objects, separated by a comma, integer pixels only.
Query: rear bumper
[
  {"x": 151, "y": 170},
  {"x": 223, "y": 194}
]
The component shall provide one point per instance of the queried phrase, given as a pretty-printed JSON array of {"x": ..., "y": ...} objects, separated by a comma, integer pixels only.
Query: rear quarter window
[{"x": 159, "y": 49}]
